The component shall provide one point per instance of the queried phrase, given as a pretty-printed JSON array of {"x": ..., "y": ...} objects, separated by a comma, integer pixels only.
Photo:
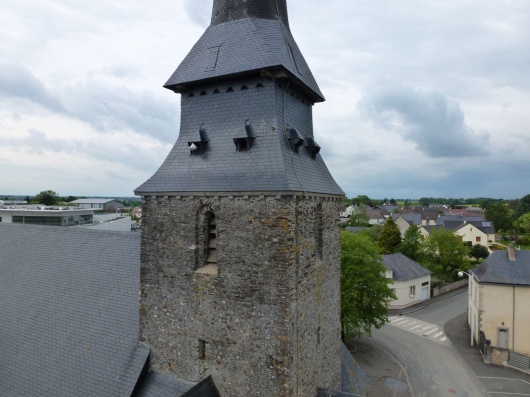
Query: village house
[{"x": 499, "y": 292}]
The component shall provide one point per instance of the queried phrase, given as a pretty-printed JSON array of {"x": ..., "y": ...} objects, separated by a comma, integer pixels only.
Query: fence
[{"x": 448, "y": 288}]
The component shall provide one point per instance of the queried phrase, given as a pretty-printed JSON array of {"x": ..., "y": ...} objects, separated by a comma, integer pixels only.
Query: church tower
[{"x": 240, "y": 254}]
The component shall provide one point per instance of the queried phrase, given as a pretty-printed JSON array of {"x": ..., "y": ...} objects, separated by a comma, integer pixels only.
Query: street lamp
[{"x": 470, "y": 294}]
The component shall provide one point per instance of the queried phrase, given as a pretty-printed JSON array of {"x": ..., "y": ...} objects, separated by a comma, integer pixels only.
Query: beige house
[
  {"x": 411, "y": 281},
  {"x": 471, "y": 232},
  {"x": 474, "y": 232},
  {"x": 499, "y": 294}
]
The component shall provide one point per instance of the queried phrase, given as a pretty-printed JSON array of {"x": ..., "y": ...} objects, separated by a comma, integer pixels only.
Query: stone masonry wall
[{"x": 266, "y": 322}]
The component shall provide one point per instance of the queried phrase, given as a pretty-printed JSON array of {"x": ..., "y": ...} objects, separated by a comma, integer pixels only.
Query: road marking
[
  {"x": 417, "y": 326},
  {"x": 494, "y": 377}
]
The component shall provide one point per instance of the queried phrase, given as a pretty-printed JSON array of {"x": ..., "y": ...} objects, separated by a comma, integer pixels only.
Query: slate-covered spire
[
  {"x": 229, "y": 10},
  {"x": 246, "y": 109},
  {"x": 246, "y": 37}
]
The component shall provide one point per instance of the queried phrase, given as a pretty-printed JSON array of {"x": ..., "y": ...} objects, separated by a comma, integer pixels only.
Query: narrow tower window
[
  {"x": 206, "y": 256},
  {"x": 319, "y": 230},
  {"x": 211, "y": 251}
]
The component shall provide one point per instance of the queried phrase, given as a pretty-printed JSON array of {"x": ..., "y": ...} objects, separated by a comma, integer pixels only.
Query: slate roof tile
[
  {"x": 498, "y": 269},
  {"x": 68, "y": 312},
  {"x": 404, "y": 268}
]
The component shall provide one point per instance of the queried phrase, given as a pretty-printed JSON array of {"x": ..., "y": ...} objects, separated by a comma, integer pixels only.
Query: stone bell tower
[{"x": 240, "y": 244}]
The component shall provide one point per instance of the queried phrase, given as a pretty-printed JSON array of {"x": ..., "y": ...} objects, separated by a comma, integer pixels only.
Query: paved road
[
  {"x": 412, "y": 356},
  {"x": 443, "y": 310},
  {"x": 433, "y": 369},
  {"x": 427, "y": 353}
]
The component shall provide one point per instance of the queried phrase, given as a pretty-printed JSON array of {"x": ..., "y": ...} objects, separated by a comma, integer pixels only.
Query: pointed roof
[
  {"x": 499, "y": 269},
  {"x": 228, "y": 78},
  {"x": 245, "y": 38},
  {"x": 404, "y": 268}
]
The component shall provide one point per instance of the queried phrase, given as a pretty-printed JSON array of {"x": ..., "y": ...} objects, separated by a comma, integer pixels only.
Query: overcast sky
[{"x": 423, "y": 98}]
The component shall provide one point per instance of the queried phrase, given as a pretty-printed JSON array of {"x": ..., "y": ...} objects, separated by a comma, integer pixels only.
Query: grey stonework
[{"x": 267, "y": 322}]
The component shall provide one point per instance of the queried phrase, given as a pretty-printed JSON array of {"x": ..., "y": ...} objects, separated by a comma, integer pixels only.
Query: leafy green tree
[
  {"x": 69, "y": 199},
  {"x": 389, "y": 238},
  {"x": 446, "y": 249},
  {"x": 47, "y": 197},
  {"x": 27, "y": 199},
  {"x": 500, "y": 215},
  {"x": 523, "y": 223},
  {"x": 523, "y": 207},
  {"x": 425, "y": 201},
  {"x": 411, "y": 244},
  {"x": 478, "y": 251},
  {"x": 362, "y": 199},
  {"x": 365, "y": 294}
]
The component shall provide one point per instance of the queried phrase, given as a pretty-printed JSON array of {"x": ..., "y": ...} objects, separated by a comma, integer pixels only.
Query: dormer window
[
  {"x": 244, "y": 142},
  {"x": 312, "y": 147},
  {"x": 199, "y": 146},
  {"x": 294, "y": 138}
]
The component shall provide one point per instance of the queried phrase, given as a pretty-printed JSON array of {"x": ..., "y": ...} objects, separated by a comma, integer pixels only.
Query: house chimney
[{"x": 511, "y": 252}]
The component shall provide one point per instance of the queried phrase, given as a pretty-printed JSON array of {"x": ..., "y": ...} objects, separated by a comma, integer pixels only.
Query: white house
[{"x": 411, "y": 281}]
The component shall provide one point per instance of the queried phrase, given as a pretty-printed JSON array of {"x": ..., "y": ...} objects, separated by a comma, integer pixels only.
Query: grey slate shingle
[
  {"x": 68, "y": 312},
  {"x": 498, "y": 269},
  {"x": 269, "y": 166},
  {"x": 242, "y": 46},
  {"x": 403, "y": 267}
]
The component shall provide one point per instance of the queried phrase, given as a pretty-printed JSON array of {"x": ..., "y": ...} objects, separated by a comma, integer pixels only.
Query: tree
[
  {"x": 365, "y": 294},
  {"x": 523, "y": 207},
  {"x": 411, "y": 244},
  {"x": 425, "y": 201},
  {"x": 500, "y": 215},
  {"x": 389, "y": 238},
  {"x": 523, "y": 223},
  {"x": 47, "y": 197},
  {"x": 446, "y": 249},
  {"x": 478, "y": 251}
]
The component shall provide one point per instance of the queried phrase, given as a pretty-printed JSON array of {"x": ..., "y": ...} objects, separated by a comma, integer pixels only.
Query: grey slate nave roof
[{"x": 69, "y": 315}]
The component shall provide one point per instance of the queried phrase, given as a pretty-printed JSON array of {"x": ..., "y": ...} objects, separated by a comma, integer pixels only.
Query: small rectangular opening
[{"x": 202, "y": 349}]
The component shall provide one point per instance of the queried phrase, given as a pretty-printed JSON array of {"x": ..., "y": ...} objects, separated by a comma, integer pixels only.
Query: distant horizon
[{"x": 2, "y": 196}]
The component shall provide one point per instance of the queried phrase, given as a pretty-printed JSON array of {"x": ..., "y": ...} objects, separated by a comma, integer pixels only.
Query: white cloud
[{"x": 423, "y": 98}]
